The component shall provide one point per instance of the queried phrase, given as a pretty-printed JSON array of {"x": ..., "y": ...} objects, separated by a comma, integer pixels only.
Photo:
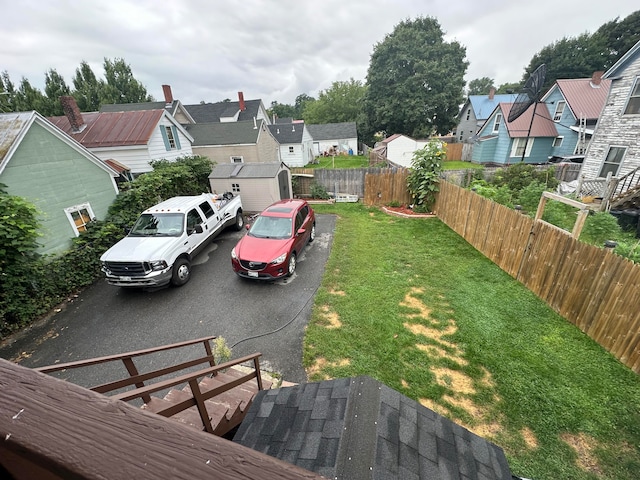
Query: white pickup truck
[{"x": 165, "y": 238}]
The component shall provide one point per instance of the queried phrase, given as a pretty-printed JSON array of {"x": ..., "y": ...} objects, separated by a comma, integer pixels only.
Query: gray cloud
[{"x": 274, "y": 50}]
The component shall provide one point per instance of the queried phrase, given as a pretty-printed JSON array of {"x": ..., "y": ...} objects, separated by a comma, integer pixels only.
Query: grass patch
[
  {"x": 340, "y": 161},
  {"x": 410, "y": 303},
  {"x": 460, "y": 165}
]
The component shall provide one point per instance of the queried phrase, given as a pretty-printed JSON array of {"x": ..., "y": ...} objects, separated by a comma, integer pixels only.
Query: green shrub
[
  {"x": 318, "y": 191},
  {"x": 424, "y": 174}
]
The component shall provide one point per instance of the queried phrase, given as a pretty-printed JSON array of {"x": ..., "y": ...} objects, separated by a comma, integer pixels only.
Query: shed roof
[
  {"x": 333, "y": 131},
  {"x": 246, "y": 170},
  {"x": 358, "y": 428}
]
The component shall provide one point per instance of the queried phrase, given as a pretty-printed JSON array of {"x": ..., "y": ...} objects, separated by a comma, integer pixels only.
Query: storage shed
[{"x": 259, "y": 184}]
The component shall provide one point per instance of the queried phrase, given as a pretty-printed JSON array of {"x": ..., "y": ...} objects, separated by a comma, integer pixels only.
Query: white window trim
[
  {"x": 172, "y": 141},
  {"x": 634, "y": 89},
  {"x": 604, "y": 160},
  {"x": 560, "y": 139},
  {"x": 516, "y": 144},
  {"x": 557, "y": 116},
  {"x": 75, "y": 208},
  {"x": 233, "y": 157},
  {"x": 496, "y": 123}
]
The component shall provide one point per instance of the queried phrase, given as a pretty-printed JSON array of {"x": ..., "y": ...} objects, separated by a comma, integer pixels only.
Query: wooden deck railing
[{"x": 144, "y": 384}]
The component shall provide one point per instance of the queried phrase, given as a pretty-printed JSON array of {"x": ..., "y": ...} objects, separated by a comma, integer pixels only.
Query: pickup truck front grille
[{"x": 128, "y": 269}]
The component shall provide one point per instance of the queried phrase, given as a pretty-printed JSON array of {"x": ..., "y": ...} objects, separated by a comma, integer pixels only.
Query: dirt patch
[
  {"x": 330, "y": 319},
  {"x": 454, "y": 380},
  {"x": 321, "y": 364},
  {"x": 337, "y": 292},
  {"x": 583, "y": 445},
  {"x": 529, "y": 438}
]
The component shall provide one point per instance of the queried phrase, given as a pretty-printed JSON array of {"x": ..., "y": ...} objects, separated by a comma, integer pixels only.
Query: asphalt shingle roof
[
  {"x": 333, "y": 131},
  {"x": 227, "y": 133},
  {"x": 358, "y": 428},
  {"x": 287, "y": 133},
  {"x": 212, "y": 112}
]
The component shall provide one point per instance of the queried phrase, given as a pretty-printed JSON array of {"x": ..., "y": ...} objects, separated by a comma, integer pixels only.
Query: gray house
[{"x": 259, "y": 184}]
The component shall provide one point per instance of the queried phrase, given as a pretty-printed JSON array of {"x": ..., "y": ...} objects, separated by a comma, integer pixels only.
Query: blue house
[
  {"x": 475, "y": 112},
  {"x": 501, "y": 142},
  {"x": 575, "y": 106}
]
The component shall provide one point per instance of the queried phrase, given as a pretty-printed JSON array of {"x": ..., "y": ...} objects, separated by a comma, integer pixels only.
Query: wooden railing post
[
  {"x": 256, "y": 365},
  {"x": 133, "y": 371},
  {"x": 207, "y": 347},
  {"x": 202, "y": 408}
]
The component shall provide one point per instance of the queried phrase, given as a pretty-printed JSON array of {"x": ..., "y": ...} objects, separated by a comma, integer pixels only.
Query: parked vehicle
[
  {"x": 162, "y": 243},
  {"x": 274, "y": 241}
]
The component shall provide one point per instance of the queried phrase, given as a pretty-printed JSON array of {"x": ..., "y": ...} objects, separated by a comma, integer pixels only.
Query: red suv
[{"x": 274, "y": 241}]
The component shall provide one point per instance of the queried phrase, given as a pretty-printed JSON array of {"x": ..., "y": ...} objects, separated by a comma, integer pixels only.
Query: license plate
[
  {"x": 125, "y": 279},
  {"x": 252, "y": 274}
]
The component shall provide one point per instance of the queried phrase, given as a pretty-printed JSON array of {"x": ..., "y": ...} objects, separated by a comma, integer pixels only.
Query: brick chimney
[
  {"x": 71, "y": 110},
  {"x": 241, "y": 101},
  {"x": 596, "y": 78},
  {"x": 168, "y": 97},
  {"x": 492, "y": 92}
]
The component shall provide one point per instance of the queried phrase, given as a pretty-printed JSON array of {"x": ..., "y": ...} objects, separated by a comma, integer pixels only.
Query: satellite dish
[{"x": 529, "y": 94}]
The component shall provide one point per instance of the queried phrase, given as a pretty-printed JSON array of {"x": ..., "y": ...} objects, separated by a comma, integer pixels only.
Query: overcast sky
[{"x": 276, "y": 49}]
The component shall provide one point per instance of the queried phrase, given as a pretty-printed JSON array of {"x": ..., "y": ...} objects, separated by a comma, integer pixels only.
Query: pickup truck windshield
[{"x": 158, "y": 225}]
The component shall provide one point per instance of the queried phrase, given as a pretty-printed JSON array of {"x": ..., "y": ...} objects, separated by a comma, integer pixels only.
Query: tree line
[{"x": 414, "y": 84}]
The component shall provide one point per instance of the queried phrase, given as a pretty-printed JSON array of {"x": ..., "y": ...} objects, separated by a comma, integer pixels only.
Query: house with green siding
[{"x": 69, "y": 185}]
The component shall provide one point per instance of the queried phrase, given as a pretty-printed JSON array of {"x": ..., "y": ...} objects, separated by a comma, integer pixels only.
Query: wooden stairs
[{"x": 214, "y": 399}]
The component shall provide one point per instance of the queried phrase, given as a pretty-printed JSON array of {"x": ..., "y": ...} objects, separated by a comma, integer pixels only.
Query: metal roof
[
  {"x": 542, "y": 125},
  {"x": 358, "y": 428},
  {"x": 113, "y": 129},
  {"x": 333, "y": 131},
  {"x": 484, "y": 105},
  {"x": 11, "y": 128},
  {"x": 584, "y": 98}
]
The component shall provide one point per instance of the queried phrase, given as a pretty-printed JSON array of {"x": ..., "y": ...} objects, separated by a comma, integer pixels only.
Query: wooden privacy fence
[
  {"x": 386, "y": 187},
  {"x": 591, "y": 287}
]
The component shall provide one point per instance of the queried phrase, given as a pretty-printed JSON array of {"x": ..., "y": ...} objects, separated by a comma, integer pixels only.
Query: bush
[
  {"x": 424, "y": 175},
  {"x": 318, "y": 191}
]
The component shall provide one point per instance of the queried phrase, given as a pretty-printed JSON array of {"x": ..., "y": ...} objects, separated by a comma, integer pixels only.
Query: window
[
  {"x": 612, "y": 161},
  {"x": 468, "y": 113},
  {"x": 633, "y": 105},
  {"x": 193, "y": 219},
  {"x": 517, "y": 148},
  {"x": 290, "y": 149},
  {"x": 461, "y": 134},
  {"x": 497, "y": 122},
  {"x": 559, "y": 109},
  {"x": 237, "y": 160},
  {"x": 79, "y": 216},
  {"x": 557, "y": 142},
  {"x": 206, "y": 209},
  {"x": 170, "y": 138},
  {"x": 235, "y": 187}
]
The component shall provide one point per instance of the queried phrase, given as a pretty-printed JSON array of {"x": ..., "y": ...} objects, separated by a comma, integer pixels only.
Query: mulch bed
[{"x": 406, "y": 212}]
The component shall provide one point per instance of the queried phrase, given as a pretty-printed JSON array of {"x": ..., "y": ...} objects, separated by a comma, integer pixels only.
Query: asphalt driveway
[{"x": 252, "y": 316}]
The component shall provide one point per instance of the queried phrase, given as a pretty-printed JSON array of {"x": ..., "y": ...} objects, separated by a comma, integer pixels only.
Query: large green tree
[
  {"x": 415, "y": 80},
  {"x": 7, "y": 92},
  {"x": 87, "y": 88},
  {"x": 480, "y": 86},
  {"x": 121, "y": 86},
  {"x": 342, "y": 102},
  {"x": 28, "y": 98},
  {"x": 54, "y": 88}
]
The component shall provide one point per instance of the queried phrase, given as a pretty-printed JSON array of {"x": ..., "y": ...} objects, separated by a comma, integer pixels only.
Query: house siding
[
  {"x": 400, "y": 150},
  {"x": 53, "y": 176},
  {"x": 467, "y": 128},
  {"x": 615, "y": 129}
]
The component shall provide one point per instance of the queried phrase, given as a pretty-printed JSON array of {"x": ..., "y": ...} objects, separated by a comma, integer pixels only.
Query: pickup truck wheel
[
  {"x": 181, "y": 272},
  {"x": 292, "y": 264},
  {"x": 312, "y": 236},
  {"x": 239, "y": 221}
]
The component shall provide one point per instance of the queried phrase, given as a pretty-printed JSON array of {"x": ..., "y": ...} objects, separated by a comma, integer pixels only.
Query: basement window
[{"x": 79, "y": 216}]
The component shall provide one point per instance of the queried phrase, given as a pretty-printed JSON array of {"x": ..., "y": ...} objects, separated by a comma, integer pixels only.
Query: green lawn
[
  {"x": 460, "y": 165},
  {"x": 340, "y": 161},
  {"x": 410, "y": 303}
]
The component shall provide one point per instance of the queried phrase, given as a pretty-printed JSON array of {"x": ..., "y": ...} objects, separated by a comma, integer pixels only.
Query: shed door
[{"x": 283, "y": 184}]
